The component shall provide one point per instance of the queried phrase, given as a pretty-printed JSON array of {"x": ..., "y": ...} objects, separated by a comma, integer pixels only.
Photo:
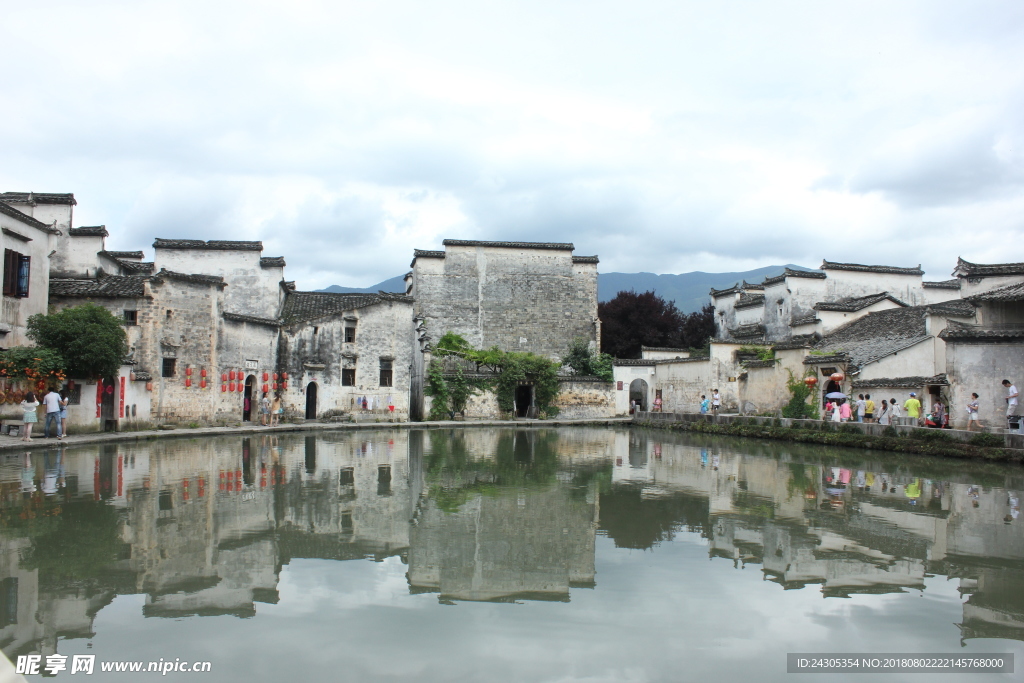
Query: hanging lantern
[
  {"x": 275, "y": 375},
  {"x": 202, "y": 384},
  {"x": 188, "y": 372},
  {"x": 231, "y": 375},
  {"x": 284, "y": 385},
  {"x": 188, "y": 382},
  {"x": 837, "y": 377},
  {"x": 224, "y": 377},
  {"x": 223, "y": 388},
  {"x": 202, "y": 373},
  {"x": 266, "y": 376},
  {"x": 231, "y": 386},
  {"x": 240, "y": 386},
  {"x": 131, "y": 375},
  {"x": 266, "y": 388},
  {"x": 275, "y": 386},
  {"x": 149, "y": 386},
  {"x": 810, "y": 382},
  {"x": 284, "y": 375}
]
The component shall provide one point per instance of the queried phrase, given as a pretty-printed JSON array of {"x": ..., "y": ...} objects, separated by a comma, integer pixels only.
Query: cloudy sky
[{"x": 663, "y": 136}]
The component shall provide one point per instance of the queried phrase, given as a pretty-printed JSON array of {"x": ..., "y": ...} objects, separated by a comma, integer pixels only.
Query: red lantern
[
  {"x": 275, "y": 375},
  {"x": 837, "y": 377},
  {"x": 188, "y": 372},
  {"x": 810, "y": 381},
  {"x": 231, "y": 375},
  {"x": 284, "y": 385},
  {"x": 231, "y": 386},
  {"x": 202, "y": 373},
  {"x": 224, "y": 377},
  {"x": 274, "y": 385},
  {"x": 240, "y": 386},
  {"x": 202, "y": 384},
  {"x": 266, "y": 388},
  {"x": 188, "y": 382},
  {"x": 223, "y": 387},
  {"x": 266, "y": 376},
  {"x": 284, "y": 375},
  {"x": 149, "y": 386}
]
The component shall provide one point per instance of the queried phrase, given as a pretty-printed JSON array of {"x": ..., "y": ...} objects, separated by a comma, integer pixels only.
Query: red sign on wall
[
  {"x": 619, "y": 386},
  {"x": 120, "y": 410}
]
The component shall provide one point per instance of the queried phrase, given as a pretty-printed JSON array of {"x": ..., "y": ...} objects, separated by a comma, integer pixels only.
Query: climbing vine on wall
[
  {"x": 509, "y": 368},
  {"x": 798, "y": 407}
]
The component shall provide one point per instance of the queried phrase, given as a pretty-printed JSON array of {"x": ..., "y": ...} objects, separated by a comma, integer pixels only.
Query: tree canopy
[
  {"x": 632, "y": 320},
  {"x": 91, "y": 340}
]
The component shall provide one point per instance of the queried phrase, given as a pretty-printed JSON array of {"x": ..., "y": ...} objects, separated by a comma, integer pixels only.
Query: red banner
[{"x": 120, "y": 410}]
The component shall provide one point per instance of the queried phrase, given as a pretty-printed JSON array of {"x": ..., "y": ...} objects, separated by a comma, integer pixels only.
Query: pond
[{"x": 589, "y": 554}]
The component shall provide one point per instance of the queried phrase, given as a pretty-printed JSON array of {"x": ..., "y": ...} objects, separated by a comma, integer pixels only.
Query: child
[
  {"x": 972, "y": 414},
  {"x": 704, "y": 403}
]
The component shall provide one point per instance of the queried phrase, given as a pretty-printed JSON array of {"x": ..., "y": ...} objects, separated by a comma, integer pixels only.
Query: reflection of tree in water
[
  {"x": 74, "y": 543},
  {"x": 633, "y": 521},
  {"x": 521, "y": 458}
]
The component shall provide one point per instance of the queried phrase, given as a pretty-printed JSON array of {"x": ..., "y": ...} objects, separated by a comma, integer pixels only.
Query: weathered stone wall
[
  {"x": 980, "y": 368},
  {"x": 253, "y": 289},
  {"x": 15, "y": 311},
  {"x": 526, "y": 299},
  {"x": 583, "y": 399},
  {"x": 316, "y": 352}
]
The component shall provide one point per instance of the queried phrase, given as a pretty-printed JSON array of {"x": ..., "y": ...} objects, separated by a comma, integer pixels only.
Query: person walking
[
  {"x": 862, "y": 407},
  {"x": 1012, "y": 396},
  {"x": 276, "y": 409},
  {"x": 704, "y": 404},
  {"x": 716, "y": 401},
  {"x": 64, "y": 401},
  {"x": 972, "y": 414},
  {"x": 29, "y": 416},
  {"x": 913, "y": 407},
  {"x": 52, "y": 403}
]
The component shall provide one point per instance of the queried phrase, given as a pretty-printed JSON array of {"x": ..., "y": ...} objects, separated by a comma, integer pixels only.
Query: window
[
  {"x": 348, "y": 377},
  {"x": 168, "y": 369},
  {"x": 131, "y": 317},
  {"x": 169, "y": 312},
  {"x": 385, "y": 373},
  {"x": 350, "y": 334},
  {"x": 384, "y": 480},
  {"x": 75, "y": 395},
  {"x": 16, "y": 273}
]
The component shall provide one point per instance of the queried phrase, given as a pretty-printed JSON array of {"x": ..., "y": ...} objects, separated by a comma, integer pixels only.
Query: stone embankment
[
  {"x": 953, "y": 443},
  {"x": 13, "y": 443}
]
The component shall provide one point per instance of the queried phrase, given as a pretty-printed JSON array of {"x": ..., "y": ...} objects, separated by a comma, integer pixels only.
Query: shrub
[{"x": 987, "y": 440}]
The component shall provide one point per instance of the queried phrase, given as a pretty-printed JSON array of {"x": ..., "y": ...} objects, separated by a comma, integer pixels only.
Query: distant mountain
[
  {"x": 395, "y": 284},
  {"x": 689, "y": 291}
]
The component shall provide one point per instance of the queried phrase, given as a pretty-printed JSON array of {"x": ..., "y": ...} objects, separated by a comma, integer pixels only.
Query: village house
[{"x": 27, "y": 242}]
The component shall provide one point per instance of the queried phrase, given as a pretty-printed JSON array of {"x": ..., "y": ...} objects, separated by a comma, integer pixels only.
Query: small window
[
  {"x": 346, "y": 522},
  {"x": 168, "y": 369},
  {"x": 169, "y": 313},
  {"x": 383, "y": 480},
  {"x": 348, "y": 377},
  {"x": 75, "y": 395},
  {"x": 385, "y": 373},
  {"x": 131, "y": 317},
  {"x": 348, "y": 476},
  {"x": 17, "y": 268},
  {"x": 350, "y": 334}
]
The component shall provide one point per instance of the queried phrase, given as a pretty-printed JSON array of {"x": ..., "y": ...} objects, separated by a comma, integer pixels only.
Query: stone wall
[
  {"x": 581, "y": 398},
  {"x": 980, "y": 368}
]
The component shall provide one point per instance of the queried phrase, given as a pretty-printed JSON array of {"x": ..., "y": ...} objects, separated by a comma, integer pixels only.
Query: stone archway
[
  {"x": 311, "y": 401},
  {"x": 638, "y": 393}
]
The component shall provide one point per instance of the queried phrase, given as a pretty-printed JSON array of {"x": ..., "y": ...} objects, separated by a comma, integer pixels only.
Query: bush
[
  {"x": 90, "y": 339},
  {"x": 987, "y": 440},
  {"x": 890, "y": 432}
]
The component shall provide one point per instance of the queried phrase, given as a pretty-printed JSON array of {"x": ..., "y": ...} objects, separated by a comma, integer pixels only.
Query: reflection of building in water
[{"x": 503, "y": 529}]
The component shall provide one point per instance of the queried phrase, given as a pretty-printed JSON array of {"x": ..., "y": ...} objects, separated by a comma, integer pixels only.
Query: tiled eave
[
  {"x": 859, "y": 267},
  {"x": 901, "y": 382}
]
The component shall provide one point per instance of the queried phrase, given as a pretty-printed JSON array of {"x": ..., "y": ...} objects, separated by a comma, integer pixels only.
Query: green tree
[
  {"x": 584, "y": 361},
  {"x": 91, "y": 340}
]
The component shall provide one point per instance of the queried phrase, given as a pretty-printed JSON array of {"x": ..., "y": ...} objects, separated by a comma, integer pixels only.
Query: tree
[
  {"x": 583, "y": 361},
  {"x": 91, "y": 340},
  {"x": 632, "y": 320},
  {"x": 698, "y": 327}
]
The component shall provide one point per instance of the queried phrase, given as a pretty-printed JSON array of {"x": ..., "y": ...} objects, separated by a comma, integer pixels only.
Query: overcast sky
[{"x": 662, "y": 136}]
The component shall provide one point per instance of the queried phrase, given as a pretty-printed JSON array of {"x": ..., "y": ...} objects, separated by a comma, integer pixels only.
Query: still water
[{"x": 503, "y": 555}]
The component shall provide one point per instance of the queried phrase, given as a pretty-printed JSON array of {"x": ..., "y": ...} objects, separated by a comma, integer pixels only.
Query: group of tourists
[
  {"x": 271, "y": 410},
  {"x": 56, "y": 413},
  {"x": 714, "y": 404}
]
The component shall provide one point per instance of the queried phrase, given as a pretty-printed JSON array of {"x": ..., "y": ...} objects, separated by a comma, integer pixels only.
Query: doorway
[
  {"x": 250, "y": 395},
  {"x": 311, "y": 401},
  {"x": 638, "y": 393},
  {"x": 524, "y": 399},
  {"x": 108, "y": 418}
]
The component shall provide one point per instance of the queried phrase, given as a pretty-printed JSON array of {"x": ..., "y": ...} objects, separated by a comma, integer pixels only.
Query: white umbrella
[{"x": 836, "y": 394}]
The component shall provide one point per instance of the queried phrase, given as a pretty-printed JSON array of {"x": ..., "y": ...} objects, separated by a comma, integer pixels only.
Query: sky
[{"x": 662, "y": 136}]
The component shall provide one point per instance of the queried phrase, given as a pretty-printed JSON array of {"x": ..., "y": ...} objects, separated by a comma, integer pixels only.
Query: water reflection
[{"x": 206, "y": 528}]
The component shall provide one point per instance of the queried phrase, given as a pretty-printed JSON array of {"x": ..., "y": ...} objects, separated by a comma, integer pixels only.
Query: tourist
[
  {"x": 657, "y": 404},
  {"x": 972, "y": 414},
  {"x": 1011, "y": 403},
  {"x": 913, "y": 407},
  {"x": 704, "y": 404},
  {"x": 265, "y": 410},
  {"x": 861, "y": 407},
  {"x": 276, "y": 409},
  {"x": 29, "y": 417},
  {"x": 894, "y": 412},
  {"x": 64, "y": 401},
  {"x": 837, "y": 413},
  {"x": 716, "y": 401},
  {"x": 937, "y": 416},
  {"x": 52, "y": 403},
  {"x": 884, "y": 415},
  {"x": 869, "y": 408},
  {"x": 845, "y": 412}
]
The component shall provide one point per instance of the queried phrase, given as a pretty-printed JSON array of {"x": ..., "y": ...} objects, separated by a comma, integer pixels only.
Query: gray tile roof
[
  {"x": 804, "y": 320},
  {"x": 789, "y": 272},
  {"x": 11, "y": 211},
  {"x": 240, "y": 318},
  {"x": 105, "y": 287},
  {"x": 303, "y": 306},
  {"x": 750, "y": 300},
  {"x": 143, "y": 376},
  {"x": 216, "y": 245},
  {"x": 424, "y": 253},
  {"x": 89, "y": 231},
  {"x": 215, "y": 280},
  {"x": 957, "y": 331},
  {"x": 856, "y": 303},
  {"x": 759, "y": 363},
  {"x": 799, "y": 341},
  {"x": 901, "y": 382},
  {"x": 39, "y": 198},
  {"x": 875, "y": 336},
  {"x": 722, "y": 292},
  {"x": 559, "y": 246},
  {"x": 968, "y": 269},
  {"x": 663, "y": 348},
  {"x": 140, "y": 267},
  {"x": 633, "y": 361},
  {"x": 747, "y": 332},
  {"x": 137, "y": 255},
  {"x": 955, "y": 307},
  {"x": 943, "y": 284},
  {"x": 892, "y": 270},
  {"x": 1007, "y": 293},
  {"x": 748, "y": 285},
  {"x": 272, "y": 262},
  {"x": 585, "y": 259}
]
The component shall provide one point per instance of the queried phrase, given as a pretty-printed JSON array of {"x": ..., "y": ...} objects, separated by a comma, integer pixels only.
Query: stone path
[{"x": 14, "y": 443}]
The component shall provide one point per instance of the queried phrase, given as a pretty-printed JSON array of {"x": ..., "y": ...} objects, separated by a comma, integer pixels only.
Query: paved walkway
[{"x": 14, "y": 443}]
